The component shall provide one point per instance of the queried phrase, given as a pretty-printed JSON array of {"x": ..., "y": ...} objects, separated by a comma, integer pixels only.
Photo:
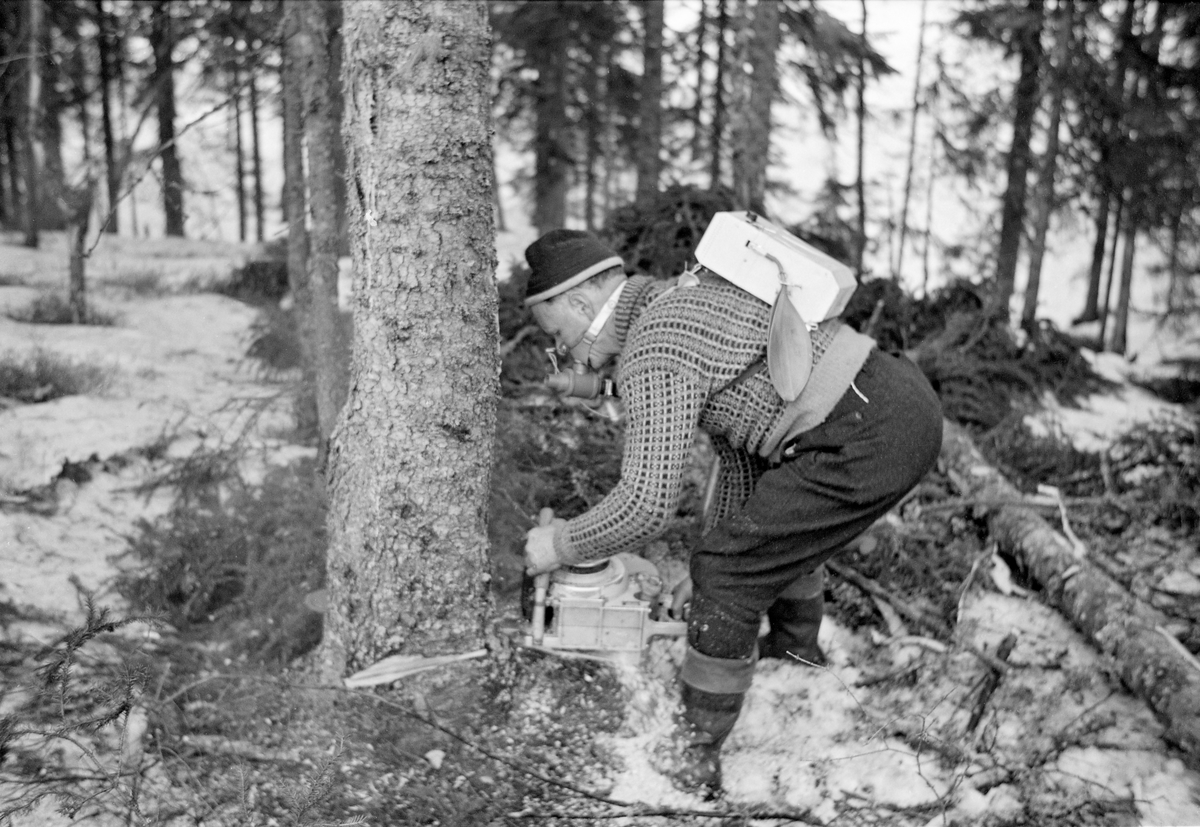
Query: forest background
[{"x": 1006, "y": 140}]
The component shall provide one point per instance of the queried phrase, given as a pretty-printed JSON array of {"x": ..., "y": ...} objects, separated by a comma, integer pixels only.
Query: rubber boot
[
  {"x": 795, "y": 620},
  {"x": 712, "y": 691}
]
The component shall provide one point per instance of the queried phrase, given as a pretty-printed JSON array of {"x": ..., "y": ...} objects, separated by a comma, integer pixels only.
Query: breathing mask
[{"x": 581, "y": 381}]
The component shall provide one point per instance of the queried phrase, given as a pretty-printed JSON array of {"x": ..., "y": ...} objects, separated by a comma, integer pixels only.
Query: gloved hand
[
  {"x": 681, "y": 597},
  {"x": 539, "y": 548}
]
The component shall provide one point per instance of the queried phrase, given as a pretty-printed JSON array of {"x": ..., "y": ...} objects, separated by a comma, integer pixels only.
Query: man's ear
[{"x": 581, "y": 303}]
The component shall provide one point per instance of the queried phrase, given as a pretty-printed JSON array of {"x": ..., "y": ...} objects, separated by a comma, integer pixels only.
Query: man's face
[{"x": 566, "y": 318}]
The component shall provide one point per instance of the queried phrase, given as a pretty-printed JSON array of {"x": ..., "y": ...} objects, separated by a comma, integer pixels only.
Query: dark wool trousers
[{"x": 832, "y": 484}]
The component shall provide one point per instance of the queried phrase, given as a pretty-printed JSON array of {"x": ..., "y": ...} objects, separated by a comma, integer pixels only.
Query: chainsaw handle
[{"x": 541, "y": 583}]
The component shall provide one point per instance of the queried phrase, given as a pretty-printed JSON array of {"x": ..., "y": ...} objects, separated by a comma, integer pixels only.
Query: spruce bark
[
  {"x": 410, "y": 462},
  {"x": 162, "y": 43},
  {"x": 1025, "y": 101},
  {"x": 552, "y": 132},
  {"x": 1043, "y": 197},
  {"x": 239, "y": 154},
  {"x": 295, "y": 199},
  {"x": 649, "y": 136},
  {"x": 33, "y": 120},
  {"x": 717, "y": 127},
  {"x": 912, "y": 145},
  {"x": 751, "y": 142},
  {"x": 111, "y": 164},
  {"x": 256, "y": 159},
  {"x": 321, "y": 134}
]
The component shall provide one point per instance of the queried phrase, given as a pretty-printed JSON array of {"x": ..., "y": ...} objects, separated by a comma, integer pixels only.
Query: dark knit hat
[{"x": 561, "y": 259}]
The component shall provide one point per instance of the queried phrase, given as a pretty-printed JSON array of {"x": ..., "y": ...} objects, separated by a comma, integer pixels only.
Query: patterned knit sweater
[{"x": 681, "y": 349}]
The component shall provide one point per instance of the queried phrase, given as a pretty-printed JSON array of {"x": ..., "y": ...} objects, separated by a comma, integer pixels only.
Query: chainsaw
[{"x": 606, "y": 607}]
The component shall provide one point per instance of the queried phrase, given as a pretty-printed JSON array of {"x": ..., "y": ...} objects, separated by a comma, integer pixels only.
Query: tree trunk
[
  {"x": 912, "y": 145},
  {"x": 260, "y": 231},
  {"x": 1121, "y": 316},
  {"x": 928, "y": 233},
  {"x": 321, "y": 132},
  {"x": 1091, "y": 304},
  {"x": 6, "y": 195},
  {"x": 551, "y": 142},
  {"x": 338, "y": 109},
  {"x": 239, "y": 169},
  {"x": 1149, "y": 661},
  {"x": 1109, "y": 191},
  {"x": 33, "y": 120},
  {"x": 649, "y": 135},
  {"x": 717, "y": 129},
  {"x": 411, "y": 459},
  {"x": 1181, "y": 203},
  {"x": 77, "y": 230},
  {"x": 752, "y": 131},
  {"x": 52, "y": 185},
  {"x": 860, "y": 183},
  {"x": 13, "y": 153},
  {"x": 111, "y": 165},
  {"x": 1013, "y": 213},
  {"x": 1043, "y": 196},
  {"x": 593, "y": 128},
  {"x": 697, "y": 145},
  {"x": 1118, "y": 225},
  {"x": 162, "y": 43},
  {"x": 295, "y": 200}
]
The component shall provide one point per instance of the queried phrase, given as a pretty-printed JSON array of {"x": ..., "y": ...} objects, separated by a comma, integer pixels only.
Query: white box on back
[{"x": 740, "y": 246}]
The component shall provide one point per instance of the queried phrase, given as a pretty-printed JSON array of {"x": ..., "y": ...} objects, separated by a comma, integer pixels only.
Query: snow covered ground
[{"x": 822, "y": 740}]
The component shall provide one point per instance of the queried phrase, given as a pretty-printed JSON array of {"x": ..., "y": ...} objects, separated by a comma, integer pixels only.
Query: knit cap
[{"x": 561, "y": 259}]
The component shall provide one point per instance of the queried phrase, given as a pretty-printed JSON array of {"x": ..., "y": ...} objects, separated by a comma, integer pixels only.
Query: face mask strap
[{"x": 602, "y": 317}]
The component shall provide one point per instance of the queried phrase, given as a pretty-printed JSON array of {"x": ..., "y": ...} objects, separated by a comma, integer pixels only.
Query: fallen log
[{"x": 1150, "y": 661}]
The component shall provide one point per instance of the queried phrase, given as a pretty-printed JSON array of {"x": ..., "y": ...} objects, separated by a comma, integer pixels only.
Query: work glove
[
  {"x": 540, "y": 556},
  {"x": 681, "y": 598}
]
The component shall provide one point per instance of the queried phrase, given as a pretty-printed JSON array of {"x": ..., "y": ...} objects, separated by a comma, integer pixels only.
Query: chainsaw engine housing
[{"x": 610, "y": 606}]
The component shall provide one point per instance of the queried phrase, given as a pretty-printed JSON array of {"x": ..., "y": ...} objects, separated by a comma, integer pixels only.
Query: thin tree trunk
[
  {"x": 649, "y": 135},
  {"x": 912, "y": 144},
  {"x": 1118, "y": 226},
  {"x": 295, "y": 201},
  {"x": 752, "y": 131},
  {"x": 260, "y": 232},
  {"x": 1121, "y": 316},
  {"x": 408, "y": 560},
  {"x": 162, "y": 39},
  {"x": 6, "y": 207},
  {"x": 697, "y": 145},
  {"x": 1043, "y": 196},
  {"x": 1173, "y": 252},
  {"x": 111, "y": 164},
  {"x": 1149, "y": 662},
  {"x": 14, "y": 153},
  {"x": 1109, "y": 191},
  {"x": 6, "y": 195},
  {"x": 77, "y": 230},
  {"x": 321, "y": 132},
  {"x": 928, "y": 234},
  {"x": 337, "y": 105},
  {"x": 860, "y": 185},
  {"x": 593, "y": 124},
  {"x": 33, "y": 120},
  {"x": 1017, "y": 167},
  {"x": 52, "y": 185},
  {"x": 552, "y": 155},
  {"x": 1091, "y": 304},
  {"x": 715, "y": 142},
  {"x": 239, "y": 174}
]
